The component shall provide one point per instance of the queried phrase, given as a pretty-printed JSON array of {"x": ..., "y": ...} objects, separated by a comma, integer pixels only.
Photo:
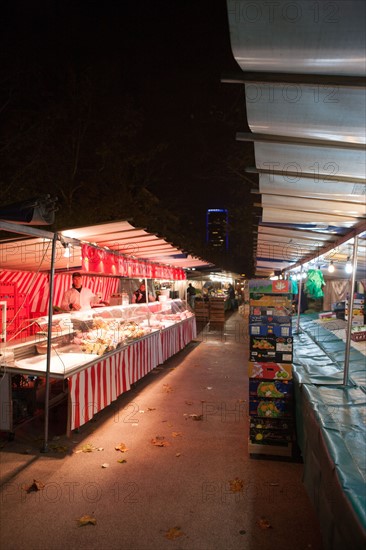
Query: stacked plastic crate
[{"x": 271, "y": 400}]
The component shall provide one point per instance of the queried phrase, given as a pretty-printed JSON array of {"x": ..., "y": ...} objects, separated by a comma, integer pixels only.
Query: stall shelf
[
  {"x": 102, "y": 352},
  {"x": 271, "y": 407}
]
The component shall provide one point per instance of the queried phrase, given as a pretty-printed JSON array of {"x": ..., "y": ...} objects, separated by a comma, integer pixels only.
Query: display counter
[{"x": 102, "y": 351}]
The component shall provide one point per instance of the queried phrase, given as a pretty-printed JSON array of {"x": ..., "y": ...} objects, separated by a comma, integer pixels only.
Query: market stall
[{"x": 59, "y": 346}]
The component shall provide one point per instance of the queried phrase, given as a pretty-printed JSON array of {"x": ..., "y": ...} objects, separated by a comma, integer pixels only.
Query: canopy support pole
[
  {"x": 350, "y": 313},
  {"x": 49, "y": 343},
  {"x": 299, "y": 304}
]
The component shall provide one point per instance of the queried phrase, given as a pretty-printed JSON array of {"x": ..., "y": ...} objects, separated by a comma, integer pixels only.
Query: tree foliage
[{"x": 158, "y": 153}]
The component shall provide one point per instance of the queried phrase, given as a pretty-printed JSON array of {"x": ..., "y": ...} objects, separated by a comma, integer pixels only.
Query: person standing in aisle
[
  {"x": 231, "y": 293},
  {"x": 191, "y": 293},
  {"x": 79, "y": 297},
  {"x": 139, "y": 296}
]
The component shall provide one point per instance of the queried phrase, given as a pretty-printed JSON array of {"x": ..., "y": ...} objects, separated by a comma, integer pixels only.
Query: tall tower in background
[{"x": 217, "y": 228}]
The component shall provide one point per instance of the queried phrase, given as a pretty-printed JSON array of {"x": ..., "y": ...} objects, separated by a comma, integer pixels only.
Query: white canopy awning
[
  {"x": 33, "y": 254},
  {"x": 306, "y": 109}
]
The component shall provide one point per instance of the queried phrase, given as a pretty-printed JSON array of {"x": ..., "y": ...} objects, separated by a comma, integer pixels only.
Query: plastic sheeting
[{"x": 331, "y": 432}]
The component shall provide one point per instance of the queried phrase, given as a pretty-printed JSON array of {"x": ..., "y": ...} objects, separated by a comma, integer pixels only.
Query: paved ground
[{"x": 199, "y": 492}]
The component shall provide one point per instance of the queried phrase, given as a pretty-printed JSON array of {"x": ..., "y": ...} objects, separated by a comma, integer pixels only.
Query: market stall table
[{"x": 95, "y": 381}]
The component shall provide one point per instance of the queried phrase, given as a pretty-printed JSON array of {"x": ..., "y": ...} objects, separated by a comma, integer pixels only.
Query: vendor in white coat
[{"x": 78, "y": 296}]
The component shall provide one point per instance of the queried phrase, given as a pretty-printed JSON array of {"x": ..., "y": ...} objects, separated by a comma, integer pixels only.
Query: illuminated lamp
[{"x": 348, "y": 267}]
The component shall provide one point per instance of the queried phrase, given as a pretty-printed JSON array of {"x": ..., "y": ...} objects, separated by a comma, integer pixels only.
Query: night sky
[{"x": 161, "y": 59}]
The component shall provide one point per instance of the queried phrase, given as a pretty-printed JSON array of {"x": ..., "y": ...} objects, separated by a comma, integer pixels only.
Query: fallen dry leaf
[
  {"x": 122, "y": 461},
  {"x": 85, "y": 520},
  {"x": 36, "y": 486},
  {"x": 264, "y": 523},
  {"x": 88, "y": 448},
  {"x": 177, "y": 454},
  {"x": 59, "y": 448},
  {"x": 167, "y": 388},
  {"x": 105, "y": 465},
  {"x": 176, "y": 434},
  {"x": 160, "y": 441},
  {"x": 236, "y": 485},
  {"x": 174, "y": 533},
  {"x": 121, "y": 447},
  {"x": 196, "y": 416},
  {"x": 151, "y": 409}
]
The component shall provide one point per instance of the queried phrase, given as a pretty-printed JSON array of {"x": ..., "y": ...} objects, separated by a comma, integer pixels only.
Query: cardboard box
[
  {"x": 270, "y": 319},
  {"x": 259, "y": 329},
  {"x": 270, "y": 311},
  {"x": 270, "y": 437},
  {"x": 284, "y": 450},
  {"x": 273, "y": 389},
  {"x": 271, "y": 301},
  {"x": 267, "y": 286},
  {"x": 280, "y": 424},
  {"x": 271, "y": 348},
  {"x": 270, "y": 408},
  {"x": 270, "y": 371}
]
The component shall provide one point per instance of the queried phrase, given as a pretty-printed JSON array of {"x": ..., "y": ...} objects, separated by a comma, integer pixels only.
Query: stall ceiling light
[{"x": 348, "y": 267}]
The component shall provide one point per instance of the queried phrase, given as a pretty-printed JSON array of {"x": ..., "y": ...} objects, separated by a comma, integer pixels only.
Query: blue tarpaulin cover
[{"x": 331, "y": 431}]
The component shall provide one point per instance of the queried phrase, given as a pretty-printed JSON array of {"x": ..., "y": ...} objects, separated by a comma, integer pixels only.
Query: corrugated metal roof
[{"x": 309, "y": 136}]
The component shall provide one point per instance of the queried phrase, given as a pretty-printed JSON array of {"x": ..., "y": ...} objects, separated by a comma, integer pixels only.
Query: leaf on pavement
[
  {"x": 105, "y": 465},
  {"x": 160, "y": 441},
  {"x": 236, "y": 485},
  {"x": 167, "y": 388},
  {"x": 174, "y": 533},
  {"x": 121, "y": 447},
  {"x": 151, "y": 409},
  {"x": 88, "y": 448},
  {"x": 264, "y": 523},
  {"x": 196, "y": 416},
  {"x": 59, "y": 448},
  {"x": 176, "y": 434},
  {"x": 86, "y": 520},
  {"x": 122, "y": 461},
  {"x": 35, "y": 486}
]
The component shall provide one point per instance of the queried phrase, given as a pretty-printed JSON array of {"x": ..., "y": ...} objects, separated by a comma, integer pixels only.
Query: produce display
[
  {"x": 270, "y": 368},
  {"x": 118, "y": 326},
  {"x": 106, "y": 335}
]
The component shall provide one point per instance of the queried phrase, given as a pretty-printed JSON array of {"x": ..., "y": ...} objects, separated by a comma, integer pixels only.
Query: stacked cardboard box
[
  {"x": 358, "y": 312},
  {"x": 271, "y": 406}
]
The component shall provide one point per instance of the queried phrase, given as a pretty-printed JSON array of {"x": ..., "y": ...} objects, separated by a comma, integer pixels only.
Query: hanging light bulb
[
  {"x": 67, "y": 252},
  {"x": 331, "y": 267},
  {"x": 348, "y": 267}
]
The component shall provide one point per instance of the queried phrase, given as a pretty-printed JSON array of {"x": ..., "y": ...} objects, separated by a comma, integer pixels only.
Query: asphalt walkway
[{"x": 181, "y": 478}]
